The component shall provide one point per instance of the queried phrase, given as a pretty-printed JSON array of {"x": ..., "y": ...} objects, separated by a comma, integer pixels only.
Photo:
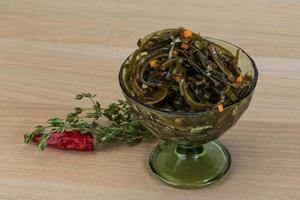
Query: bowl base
[{"x": 196, "y": 167}]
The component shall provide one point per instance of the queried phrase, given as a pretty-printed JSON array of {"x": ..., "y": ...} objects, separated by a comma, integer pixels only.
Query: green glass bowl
[{"x": 189, "y": 155}]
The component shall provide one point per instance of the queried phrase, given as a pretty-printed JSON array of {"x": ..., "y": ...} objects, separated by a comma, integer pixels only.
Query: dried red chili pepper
[{"x": 69, "y": 140}]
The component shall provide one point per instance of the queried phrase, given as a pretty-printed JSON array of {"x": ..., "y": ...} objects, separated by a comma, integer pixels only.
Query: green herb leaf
[
  {"x": 79, "y": 96},
  {"x": 78, "y": 110}
]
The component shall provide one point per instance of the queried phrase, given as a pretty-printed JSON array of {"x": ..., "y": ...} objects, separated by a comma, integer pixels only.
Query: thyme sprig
[{"x": 124, "y": 125}]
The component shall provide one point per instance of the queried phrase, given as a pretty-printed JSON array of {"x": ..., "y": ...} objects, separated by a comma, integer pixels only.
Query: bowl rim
[{"x": 125, "y": 92}]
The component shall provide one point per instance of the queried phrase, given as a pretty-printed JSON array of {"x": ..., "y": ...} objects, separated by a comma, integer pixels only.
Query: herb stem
[{"x": 91, "y": 98}]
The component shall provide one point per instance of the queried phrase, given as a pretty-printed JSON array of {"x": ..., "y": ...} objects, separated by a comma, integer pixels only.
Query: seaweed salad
[{"x": 179, "y": 70}]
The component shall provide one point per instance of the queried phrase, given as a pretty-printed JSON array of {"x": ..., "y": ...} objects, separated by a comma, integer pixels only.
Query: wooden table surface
[{"x": 51, "y": 50}]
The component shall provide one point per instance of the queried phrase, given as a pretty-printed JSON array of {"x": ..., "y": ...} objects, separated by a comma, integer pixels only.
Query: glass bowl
[{"x": 189, "y": 155}]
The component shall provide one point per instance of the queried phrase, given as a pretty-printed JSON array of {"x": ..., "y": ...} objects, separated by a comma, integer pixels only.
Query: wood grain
[{"x": 51, "y": 50}]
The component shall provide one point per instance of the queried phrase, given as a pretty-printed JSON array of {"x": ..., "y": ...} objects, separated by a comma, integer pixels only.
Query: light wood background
[{"x": 51, "y": 50}]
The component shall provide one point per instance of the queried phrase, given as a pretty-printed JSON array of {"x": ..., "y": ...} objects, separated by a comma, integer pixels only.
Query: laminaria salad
[{"x": 177, "y": 69}]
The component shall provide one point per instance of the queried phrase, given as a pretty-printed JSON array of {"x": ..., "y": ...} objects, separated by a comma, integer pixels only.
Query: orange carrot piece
[
  {"x": 239, "y": 79},
  {"x": 153, "y": 64},
  {"x": 185, "y": 46},
  {"x": 220, "y": 107},
  {"x": 187, "y": 33}
]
